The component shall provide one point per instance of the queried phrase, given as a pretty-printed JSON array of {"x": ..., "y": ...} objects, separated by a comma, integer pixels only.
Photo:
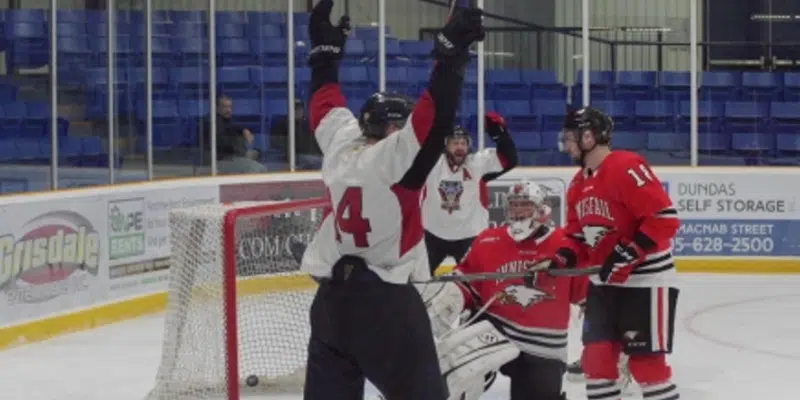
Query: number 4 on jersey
[
  {"x": 642, "y": 177},
  {"x": 349, "y": 217}
]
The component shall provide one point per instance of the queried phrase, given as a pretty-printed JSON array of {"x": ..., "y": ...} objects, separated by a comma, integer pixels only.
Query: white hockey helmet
[{"x": 525, "y": 209}]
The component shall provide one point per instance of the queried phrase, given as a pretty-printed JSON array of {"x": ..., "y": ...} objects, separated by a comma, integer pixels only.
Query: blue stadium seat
[
  {"x": 257, "y": 29},
  {"x": 271, "y": 81},
  {"x": 667, "y": 141},
  {"x": 168, "y": 126},
  {"x": 193, "y": 51},
  {"x": 752, "y": 142},
  {"x": 67, "y": 29},
  {"x": 396, "y": 79},
  {"x": 761, "y": 86},
  {"x": 230, "y": 30},
  {"x": 29, "y": 44},
  {"x": 393, "y": 49},
  {"x": 355, "y": 82},
  {"x": 788, "y": 143},
  {"x": 544, "y": 85},
  {"x": 16, "y": 15},
  {"x": 784, "y": 117},
  {"x": 551, "y": 116},
  {"x": 189, "y": 31},
  {"x": 190, "y": 79},
  {"x": 506, "y": 84},
  {"x": 600, "y": 86},
  {"x": 265, "y": 17},
  {"x": 621, "y": 111},
  {"x": 655, "y": 116},
  {"x": 720, "y": 86},
  {"x": 630, "y": 140},
  {"x": 674, "y": 85},
  {"x": 233, "y": 52},
  {"x": 635, "y": 85},
  {"x": 248, "y": 113},
  {"x": 710, "y": 116},
  {"x": 235, "y": 82},
  {"x": 713, "y": 142},
  {"x": 71, "y": 16},
  {"x": 193, "y": 109},
  {"x": 301, "y": 18},
  {"x": 230, "y": 17},
  {"x": 355, "y": 49},
  {"x": 301, "y": 33},
  {"x": 270, "y": 51},
  {"x": 745, "y": 116},
  {"x": 791, "y": 86},
  {"x": 74, "y": 50},
  {"x": 418, "y": 51},
  {"x": 277, "y": 108},
  {"x": 190, "y": 16}
]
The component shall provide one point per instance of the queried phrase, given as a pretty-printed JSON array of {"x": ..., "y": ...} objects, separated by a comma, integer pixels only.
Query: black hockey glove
[
  {"x": 451, "y": 45},
  {"x": 495, "y": 126},
  {"x": 620, "y": 263},
  {"x": 327, "y": 41}
]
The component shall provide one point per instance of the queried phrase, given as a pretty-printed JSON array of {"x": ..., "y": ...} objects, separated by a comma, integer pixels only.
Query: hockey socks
[
  {"x": 603, "y": 389},
  {"x": 660, "y": 391}
]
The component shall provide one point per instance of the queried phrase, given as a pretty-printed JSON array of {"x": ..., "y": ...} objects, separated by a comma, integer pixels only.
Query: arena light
[
  {"x": 775, "y": 17},
  {"x": 630, "y": 29}
]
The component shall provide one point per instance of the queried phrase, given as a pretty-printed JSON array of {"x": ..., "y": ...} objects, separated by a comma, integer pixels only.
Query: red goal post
[{"x": 237, "y": 303}]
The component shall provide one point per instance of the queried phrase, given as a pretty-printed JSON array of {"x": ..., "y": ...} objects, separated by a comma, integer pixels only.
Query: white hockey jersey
[
  {"x": 456, "y": 198},
  {"x": 371, "y": 215}
]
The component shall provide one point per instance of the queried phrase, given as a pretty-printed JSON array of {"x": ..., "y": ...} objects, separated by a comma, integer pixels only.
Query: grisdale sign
[{"x": 53, "y": 245}]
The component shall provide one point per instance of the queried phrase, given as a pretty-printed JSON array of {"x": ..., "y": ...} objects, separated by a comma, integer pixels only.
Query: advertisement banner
[
  {"x": 52, "y": 257},
  {"x": 138, "y": 236},
  {"x": 737, "y": 215}
]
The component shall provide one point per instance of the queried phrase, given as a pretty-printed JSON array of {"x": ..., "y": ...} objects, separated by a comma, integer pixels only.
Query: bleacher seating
[{"x": 739, "y": 113}]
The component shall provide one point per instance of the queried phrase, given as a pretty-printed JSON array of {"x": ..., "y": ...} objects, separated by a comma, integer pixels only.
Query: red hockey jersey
[
  {"x": 535, "y": 317},
  {"x": 618, "y": 201}
]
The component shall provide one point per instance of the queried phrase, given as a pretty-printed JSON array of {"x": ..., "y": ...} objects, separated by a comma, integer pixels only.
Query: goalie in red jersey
[
  {"x": 532, "y": 313},
  {"x": 620, "y": 218}
]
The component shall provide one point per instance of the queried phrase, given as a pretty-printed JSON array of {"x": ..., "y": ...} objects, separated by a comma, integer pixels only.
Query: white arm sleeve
[
  {"x": 445, "y": 304},
  {"x": 486, "y": 161},
  {"x": 468, "y": 354}
]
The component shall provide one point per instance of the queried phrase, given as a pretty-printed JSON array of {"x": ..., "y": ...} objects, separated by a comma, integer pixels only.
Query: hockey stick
[{"x": 541, "y": 266}]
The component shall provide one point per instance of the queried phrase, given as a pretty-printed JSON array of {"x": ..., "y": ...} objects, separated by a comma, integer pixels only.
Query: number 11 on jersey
[{"x": 349, "y": 218}]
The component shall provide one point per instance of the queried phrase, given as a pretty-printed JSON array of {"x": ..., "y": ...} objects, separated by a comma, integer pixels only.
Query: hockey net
[{"x": 237, "y": 304}]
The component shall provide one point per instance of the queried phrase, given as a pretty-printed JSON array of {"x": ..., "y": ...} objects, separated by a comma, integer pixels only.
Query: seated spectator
[
  {"x": 306, "y": 148},
  {"x": 232, "y": 142}
]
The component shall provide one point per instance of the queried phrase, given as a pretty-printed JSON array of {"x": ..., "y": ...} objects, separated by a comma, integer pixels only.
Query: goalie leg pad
[
  {"x": 471, "y": 352},
  {"x": 445, "y": 304}
]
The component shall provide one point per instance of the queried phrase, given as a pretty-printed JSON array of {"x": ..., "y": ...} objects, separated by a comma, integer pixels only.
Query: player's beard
[{"x": 456, "y": 159}]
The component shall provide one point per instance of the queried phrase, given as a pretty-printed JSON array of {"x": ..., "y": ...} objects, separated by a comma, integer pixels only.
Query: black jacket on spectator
[
  {"x": 230, "y": 139},
  {"x": 304, "y": 141}
]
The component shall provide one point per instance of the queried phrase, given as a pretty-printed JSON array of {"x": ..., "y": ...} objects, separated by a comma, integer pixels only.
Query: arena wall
[{"x": 77, "y": 259}]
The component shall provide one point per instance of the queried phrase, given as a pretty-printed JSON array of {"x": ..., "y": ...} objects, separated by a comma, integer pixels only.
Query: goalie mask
[
  {"x": 525, "y": 209},
  {"x": 457, "y": 146}
]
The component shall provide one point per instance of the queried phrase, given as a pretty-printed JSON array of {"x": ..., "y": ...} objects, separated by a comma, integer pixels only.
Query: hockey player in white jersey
[
  {"x": 367, "y": 319},
  {"x": 456, "y": 199}
]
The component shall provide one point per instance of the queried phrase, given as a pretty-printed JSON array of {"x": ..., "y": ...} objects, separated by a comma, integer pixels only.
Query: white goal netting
[{"x": 237, "y": 305}]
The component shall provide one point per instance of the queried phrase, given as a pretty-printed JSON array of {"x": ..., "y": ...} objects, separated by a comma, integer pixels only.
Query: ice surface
[{"x": 738, "y": 337}]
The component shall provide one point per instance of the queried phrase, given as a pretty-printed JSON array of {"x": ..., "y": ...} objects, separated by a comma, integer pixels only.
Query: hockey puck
[{"x": 251, "y": 380}]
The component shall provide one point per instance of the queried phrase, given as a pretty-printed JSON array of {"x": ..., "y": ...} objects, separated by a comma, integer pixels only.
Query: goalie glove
[
  {"x": 468, "y": 354},
  {"x": 445, "y": 305}
]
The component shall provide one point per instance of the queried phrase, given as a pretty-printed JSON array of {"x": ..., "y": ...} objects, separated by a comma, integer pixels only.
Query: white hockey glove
[
  {"x": 468, "y": 354},
  {"x": 445, "y": 303}
]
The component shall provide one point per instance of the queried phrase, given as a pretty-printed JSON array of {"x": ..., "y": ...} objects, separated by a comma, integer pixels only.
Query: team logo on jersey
[
  {"x": 592, "y": 234},
  {"x": 522, "y": 295},
  {"x": 451, "y": 192}
]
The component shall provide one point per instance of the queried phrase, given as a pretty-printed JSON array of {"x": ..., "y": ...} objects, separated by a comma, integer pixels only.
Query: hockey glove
[
  {"x": 620, "y": 263},
  {"x": 327, "y": 41},
  {"x": 495, "y": 126},
  {"x": 451, "y": 45}
]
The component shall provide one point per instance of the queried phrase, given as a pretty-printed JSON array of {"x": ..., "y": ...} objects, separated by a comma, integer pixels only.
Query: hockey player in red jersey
[
  {"x": 533, "y": 313},
  {"x": 367, "y": 320},
  {"x": 620, "y": 218}
]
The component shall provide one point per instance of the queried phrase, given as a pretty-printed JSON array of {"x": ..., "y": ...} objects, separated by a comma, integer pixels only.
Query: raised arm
[
  {"x": 415, "y": 149},
  {"x": 328, "y": 114},
  {"x": 492, "y": 163}
]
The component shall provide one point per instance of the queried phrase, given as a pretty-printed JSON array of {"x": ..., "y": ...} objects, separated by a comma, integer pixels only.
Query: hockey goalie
[{"x": 530, "y": 314}]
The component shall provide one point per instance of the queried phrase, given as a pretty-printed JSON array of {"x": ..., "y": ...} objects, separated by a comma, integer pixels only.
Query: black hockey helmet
[
  {"x": 587, "y": 118},
  {"x": 381, "y": 110},
  {"x": 459, "y": 132}
]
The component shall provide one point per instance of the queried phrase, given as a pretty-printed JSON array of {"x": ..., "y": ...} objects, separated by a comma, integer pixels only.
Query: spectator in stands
[
  {"x": 233, "y": 142},
  {"x": 306, "y": 148}
]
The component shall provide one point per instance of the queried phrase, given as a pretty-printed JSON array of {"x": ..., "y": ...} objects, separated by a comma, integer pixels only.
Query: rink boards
[{"x": 733, "y": 221}]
